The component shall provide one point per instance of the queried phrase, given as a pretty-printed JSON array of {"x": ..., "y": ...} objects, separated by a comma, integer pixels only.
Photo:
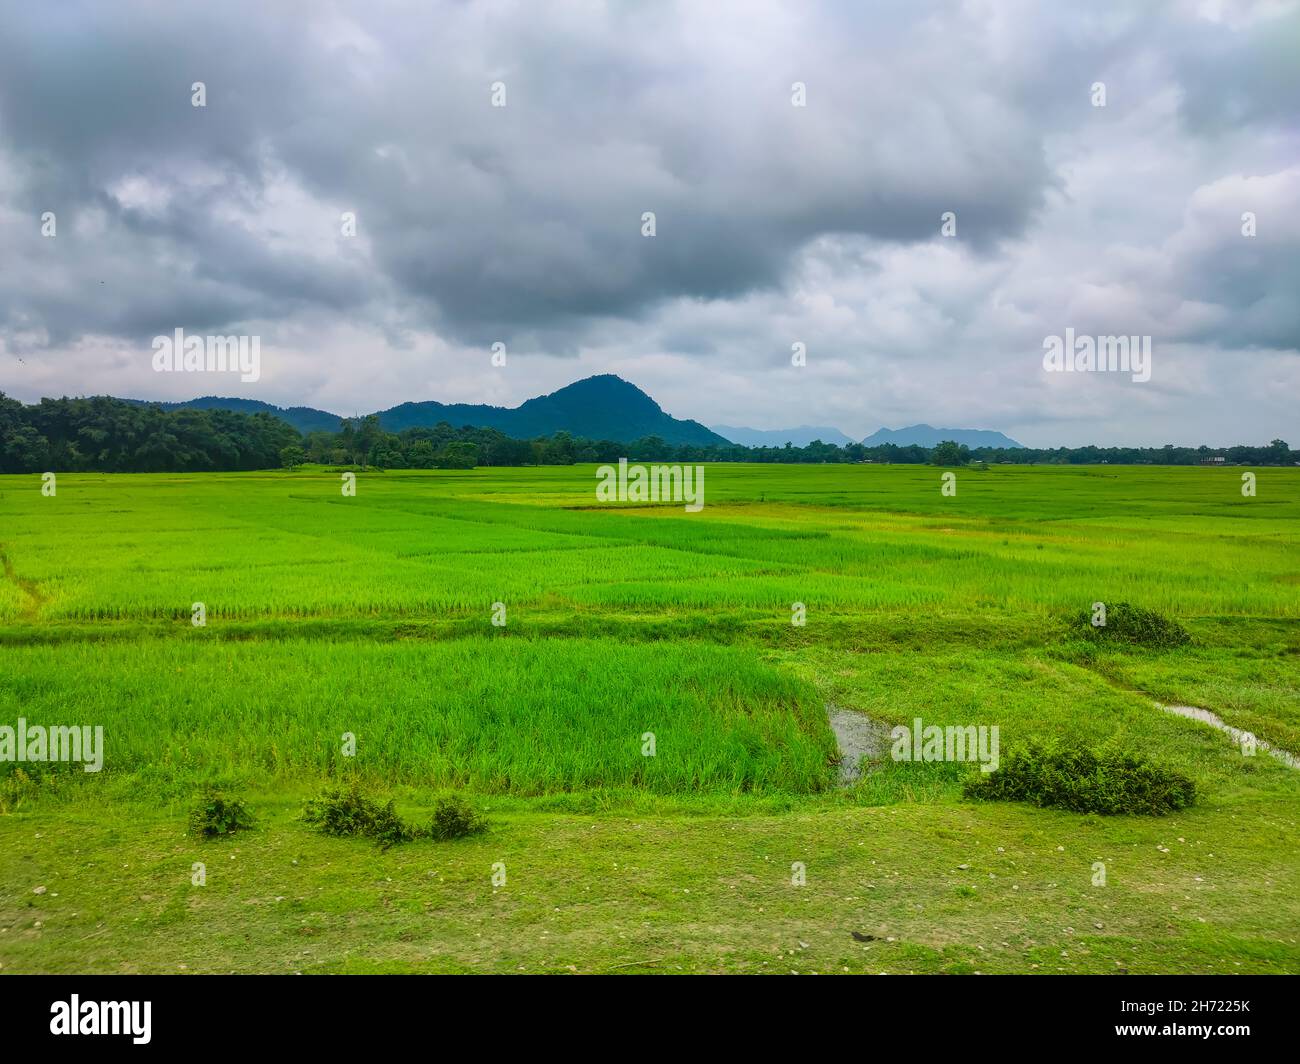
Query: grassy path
[{"x": 943, "y": 888}]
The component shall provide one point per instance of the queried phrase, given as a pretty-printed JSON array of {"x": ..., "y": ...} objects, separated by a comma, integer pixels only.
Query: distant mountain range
[
  {"x": 303, "y": 418},
  {"x": 800, "y": 437},
  {"x": 921, "y": 435},
  {"x": 928, "y": 436},
  {"x": 599, "y": 408},
  {"x": 605, "y": 407}
]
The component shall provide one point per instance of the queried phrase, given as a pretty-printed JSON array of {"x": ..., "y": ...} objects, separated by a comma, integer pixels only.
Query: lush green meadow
[{"x": 372, "y": 616}]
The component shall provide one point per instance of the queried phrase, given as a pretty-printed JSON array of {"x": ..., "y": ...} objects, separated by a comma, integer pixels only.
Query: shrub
[
  {"x": 15, "y": 787},
  {"x": 217, "y": 814},
  {"x": 1085, "y": 781},
  {"x": 349, "y": 811},
  {"x": 454, "y": 818},
  {"x": 387, "y": 828},
  {"x": 1126, "y": 623}
]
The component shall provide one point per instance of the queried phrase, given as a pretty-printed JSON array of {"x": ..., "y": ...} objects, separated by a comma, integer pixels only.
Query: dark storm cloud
[{"x": 490, "y": 219}]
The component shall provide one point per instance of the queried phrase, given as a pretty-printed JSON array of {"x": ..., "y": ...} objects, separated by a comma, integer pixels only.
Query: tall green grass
[
  {"x": 956, "y": 598},
  {"x": 841, "y": 539},
  {"x": 501, "y": 715}
]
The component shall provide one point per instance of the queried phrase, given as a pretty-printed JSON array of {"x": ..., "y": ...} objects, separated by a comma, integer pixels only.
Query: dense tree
[
  {"x": 368, "y": 438},
  {"x": 319, "y": 446},
  {"x": 113, "y": 435},
  {"x": 948, "y": 453},
  {"x": 459, "y": 454}
]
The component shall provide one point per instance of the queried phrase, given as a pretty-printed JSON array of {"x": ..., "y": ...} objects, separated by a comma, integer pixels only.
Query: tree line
[
  {"x": 115, "y": 436},
  {"x": 363, "y": 442}
]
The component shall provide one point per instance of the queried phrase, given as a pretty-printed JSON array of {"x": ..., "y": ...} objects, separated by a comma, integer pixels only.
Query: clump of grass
[
  {"x": 345, "y": 811},
  {"x": 219, "y": 814},
  {"x": 455, "y": 818},
  {"x": 15, "y": 788},
  {"x": 1126, "y": 623},
  {"x": 1108, "y": 781}
]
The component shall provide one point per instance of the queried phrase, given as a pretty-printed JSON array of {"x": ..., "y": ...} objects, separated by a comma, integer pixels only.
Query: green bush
[
  {"x": 15, "y": 788},
  {"x": 1084, "y": 781},
  {"x": 454, "y": 818},
  {"x": 218, "y": 814},
  {"x": 349, "y": 811},
  {"x": 1126, "y": 623},
  {"x": 387, "y": 828}
]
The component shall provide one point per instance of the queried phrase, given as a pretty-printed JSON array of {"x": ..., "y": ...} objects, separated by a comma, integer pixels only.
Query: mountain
[
  {"x": 927, "y": 436},
  {"x": 599, "y": 408},
  {"x": 304, "y": 418},
  {"x": 800, "y": 437}
]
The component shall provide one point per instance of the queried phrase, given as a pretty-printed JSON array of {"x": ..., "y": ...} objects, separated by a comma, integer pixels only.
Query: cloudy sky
[{"x": 775, "y": 224}]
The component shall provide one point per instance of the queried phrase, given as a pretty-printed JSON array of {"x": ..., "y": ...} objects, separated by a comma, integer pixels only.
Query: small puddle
[
  {"x": 857, "y": 736},
  {"x": 1212, "y": 719}
]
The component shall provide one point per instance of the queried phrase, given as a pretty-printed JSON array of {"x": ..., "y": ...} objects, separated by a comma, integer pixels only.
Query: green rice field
[{"x": 500, "y": 634}]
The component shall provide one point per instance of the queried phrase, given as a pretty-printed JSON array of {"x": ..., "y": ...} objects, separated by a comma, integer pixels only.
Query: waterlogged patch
[
  {"x": 859, "y": 738},
  {"x": 1245, "y": 741}
]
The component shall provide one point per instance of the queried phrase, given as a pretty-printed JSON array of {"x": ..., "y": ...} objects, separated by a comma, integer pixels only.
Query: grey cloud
[
  {"x": 492, "y": 220},
  {"x": 774, "y": 223}
]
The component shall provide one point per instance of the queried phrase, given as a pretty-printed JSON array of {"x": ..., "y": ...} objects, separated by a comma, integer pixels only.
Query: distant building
[{"x": 1217, "y": 459}]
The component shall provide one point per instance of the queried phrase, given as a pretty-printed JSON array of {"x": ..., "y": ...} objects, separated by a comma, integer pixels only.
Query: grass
[
  {"x": 131, "y": 548},
  {"x": 495, "y": 715},
  {"x": 372, "y": 616},
  {"x": 1200, "y": 891}
]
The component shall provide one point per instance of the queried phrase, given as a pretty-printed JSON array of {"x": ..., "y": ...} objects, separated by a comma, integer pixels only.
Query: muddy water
[
  {"x": 1206, "y": 717},
  {"x": 858, "y": 736}
]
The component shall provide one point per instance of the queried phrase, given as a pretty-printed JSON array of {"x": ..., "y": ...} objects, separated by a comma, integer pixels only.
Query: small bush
[
  {"x": 1126, "y": 623},
  {"x": 387, "y": 828},
  {"x": 15, "y": 788},
  {"x": 454, "y": 818},
  {"x": 217, "y": 814},
  {"x": 348, "y": 811},
  {"x": 1085, "y": 781}
]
